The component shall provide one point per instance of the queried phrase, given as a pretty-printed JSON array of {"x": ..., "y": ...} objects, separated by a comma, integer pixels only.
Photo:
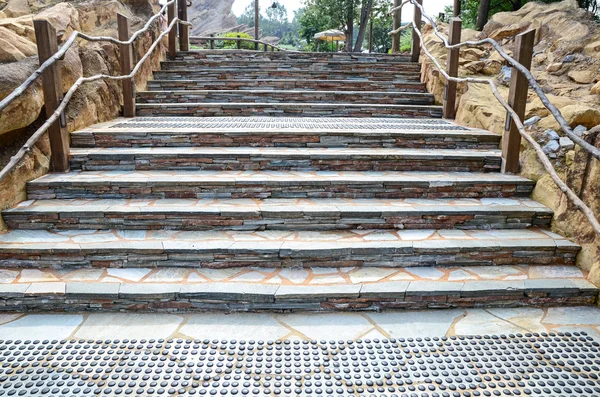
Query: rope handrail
[
  {"x": 587, "y": 212},
  {"x": 65, "y": 47},
  {"x": 220, "y": 38},
  {"x": 532, "y": 81},
  {"x": 28, "y": 146}
]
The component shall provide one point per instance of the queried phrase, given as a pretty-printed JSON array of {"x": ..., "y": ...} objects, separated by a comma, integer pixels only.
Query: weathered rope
[
  {"x": 65, "y": 47},
  {"x": 42, "y": 130},
  {"x": 587, "y": 212}
]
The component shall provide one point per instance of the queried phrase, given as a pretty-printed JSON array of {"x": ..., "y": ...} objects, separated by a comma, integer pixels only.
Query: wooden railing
[
  {"x": 55, "y": 104},
  {"x": 195, "y": 40},
  {"x": 521, "y": 80}
]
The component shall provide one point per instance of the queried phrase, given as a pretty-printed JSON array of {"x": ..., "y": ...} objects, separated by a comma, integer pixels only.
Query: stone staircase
[{"x": 328, "y": 182}]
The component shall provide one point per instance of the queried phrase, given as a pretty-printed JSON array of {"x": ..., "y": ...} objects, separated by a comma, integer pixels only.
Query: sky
[{"x": 432, "y": 7}]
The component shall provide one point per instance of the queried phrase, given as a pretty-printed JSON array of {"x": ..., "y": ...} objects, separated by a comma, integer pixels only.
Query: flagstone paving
[{"x": 299, "y": 326}]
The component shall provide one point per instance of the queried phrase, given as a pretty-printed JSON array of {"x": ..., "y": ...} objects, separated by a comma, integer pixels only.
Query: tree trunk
[
  {"x": 365, "y": 12},
  {"x": 482, "y": 14},
  {"x": 350, "y": 32}
]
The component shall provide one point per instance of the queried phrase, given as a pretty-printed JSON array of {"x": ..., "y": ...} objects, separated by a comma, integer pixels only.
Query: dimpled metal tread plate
[
  {"x": 287, "y": 123},
  {"x": 563, "y": 364}
]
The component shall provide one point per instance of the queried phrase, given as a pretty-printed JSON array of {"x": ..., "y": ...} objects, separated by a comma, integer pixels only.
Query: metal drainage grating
[
  {"x": 534, "y": 365},
  {"x": 287, "y": 123}
]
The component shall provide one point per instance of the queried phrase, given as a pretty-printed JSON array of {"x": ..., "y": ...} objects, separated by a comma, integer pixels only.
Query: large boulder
[
  {"x": 63, "y": 17},
  {"x": 14, "y": 47},
  {"x": 15, "y": 8},
  {"x": 209, "y": 16}
]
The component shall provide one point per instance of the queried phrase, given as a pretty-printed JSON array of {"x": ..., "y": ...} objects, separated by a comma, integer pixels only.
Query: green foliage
[
  {"x": 406, "y": 40},
  {"x": 275, "y": 23},
  {"x": 320, "y": 15},
  {"x": 382, "y": 24},
  {"x": 246, "y": 45}
]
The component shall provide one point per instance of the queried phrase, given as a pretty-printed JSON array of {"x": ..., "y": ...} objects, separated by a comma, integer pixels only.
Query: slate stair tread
[{"x": 156, "y": 292}]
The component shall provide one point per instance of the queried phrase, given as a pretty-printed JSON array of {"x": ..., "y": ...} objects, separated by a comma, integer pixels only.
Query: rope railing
[
  {"x": 28, "y": 146},
  {"x": 60, "y": 54},
  {"x": 575, "y": 200}
]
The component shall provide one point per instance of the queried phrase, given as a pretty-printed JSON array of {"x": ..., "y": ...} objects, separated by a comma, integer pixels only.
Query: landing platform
[{"x": 298, "y": 355}]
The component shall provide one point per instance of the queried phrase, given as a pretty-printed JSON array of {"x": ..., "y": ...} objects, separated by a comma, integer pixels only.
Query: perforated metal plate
[
  {"x": 531, "y": 364},
  {"x": 288, "y": 123}
]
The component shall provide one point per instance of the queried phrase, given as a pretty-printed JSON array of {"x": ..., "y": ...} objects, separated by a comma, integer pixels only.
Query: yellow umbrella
[{"x": 330, "y": 35}]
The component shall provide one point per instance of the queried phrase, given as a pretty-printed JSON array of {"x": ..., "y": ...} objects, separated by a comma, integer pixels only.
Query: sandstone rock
[
  {"x": 540, "y": 58},
  {"x": 582, "y": 76},
  {"x": 16, "y": 8},
  {"x": 479, "y": 108},
  {"x": 93, "y": 18},
  {"x": 592, "y": 49},
  {"x": 22, "y": 26},
  {"x": 574, "y": 115},
  {"x": 595, "y": 89},
  {"x": 554, "y": 67},
  {"x": 14, "y": 47},
  {"x": 472, "y": 53},
  {"x": 63, "y": 17},
  {"x": 492, "y": 67},
  {"x": 474, "y": 67},
  {"x": 210, "y": 16}
]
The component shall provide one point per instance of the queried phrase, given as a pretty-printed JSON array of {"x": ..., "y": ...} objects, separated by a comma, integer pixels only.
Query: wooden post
[
  {"x": 212, "y": 41},
  {"x": 416, "y": 44},
  {"x": 517, "y": 99},
  {"x": 456, "y": 8},
  {"x": 256, "y": 19},
  {"x": 266, "y": 47},
  {"x": 452, "y": 69},
  {"x": 125, "y": 59},
  {"x": 173, "y": 33},
  {"x": 239, "y": 42},
  {"x": 47, "y": 45},
  {"x": 184, "y": 32},
  {"x": 397, "y": 21},
  {"x": 337, "y": 46}
]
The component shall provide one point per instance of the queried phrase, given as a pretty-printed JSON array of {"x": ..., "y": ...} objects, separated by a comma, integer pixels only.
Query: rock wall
[
  {"x": 93, "y": 102},
  {"x": 567, "y": 66},
  {"x": 210, "y": 16}
]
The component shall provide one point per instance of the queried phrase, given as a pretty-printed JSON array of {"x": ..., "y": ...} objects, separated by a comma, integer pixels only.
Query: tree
[
  {"x": 482, "y": 14},
  {"x": 320, "y": 15},
  {"x": 365, "y": 14}
]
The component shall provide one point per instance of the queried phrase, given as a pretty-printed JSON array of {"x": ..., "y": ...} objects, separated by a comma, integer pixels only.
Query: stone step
[
  {"x": 271, "y": 74},
  {"x": 293, "y": 289},
  {"x": 276, "y": 184},
  {"x": 278, "y": 96},
  {"x": 286, "y": 84},
  {"x": 311, "y": 56},
  {"x": 283, "y": 132},
  {"x": 288, "y": 109},
  {"x": 278, "y": 214},
  {"x": 272, "y": 158},
  {"x": 36, "y": 249},
  {"x": 291, "y": 64}
]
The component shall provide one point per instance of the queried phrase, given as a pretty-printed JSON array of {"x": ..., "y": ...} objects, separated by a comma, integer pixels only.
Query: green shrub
[{"x": 246, "y": 45}]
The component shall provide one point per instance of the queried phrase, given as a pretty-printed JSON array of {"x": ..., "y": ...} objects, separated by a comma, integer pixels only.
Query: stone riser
[
  {"x": 281, "y": 97},
  {"x": 306, "y": 56},
  {"x": 285, "y": 110},
  {"x": 65, "y": 303},
  {"x": 237, "y": 162},
  {"x": 293, "y": 65},
  {"x": 299, "y": 84},
  {"x": 305, "y": 139},
  {"x": 290, "y": 189},
  {"x": 123, "y": 257},
  {"x": 233, "y": 74},
  {"x": 180, "y": 220}
]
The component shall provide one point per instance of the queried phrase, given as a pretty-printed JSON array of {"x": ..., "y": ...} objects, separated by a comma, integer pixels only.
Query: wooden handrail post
[
  {"x": 125, "y": 60},
  {"x": 47, "y": 45},
  {"x": 212, "y": 41},
  {"x": 452, "y": 69},
  {"x": 256, "y": 23},
  {"x": 266, "y": 47},
  {"x": 184, "y": 32},
  {"x": 239, "y": 42},
  {"x": 517, "y": 99},
  {"x": 416, "y": 44},
  {"x": 456, "y": 9},
  {"x": 173, "y": 33},
  {"x": 397, "y": 20}
]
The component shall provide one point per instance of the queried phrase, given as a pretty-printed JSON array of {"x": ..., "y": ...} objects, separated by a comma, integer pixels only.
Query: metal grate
[
  {"x": 531, "y": 364},
  {"x": 287, "y": 123}
]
